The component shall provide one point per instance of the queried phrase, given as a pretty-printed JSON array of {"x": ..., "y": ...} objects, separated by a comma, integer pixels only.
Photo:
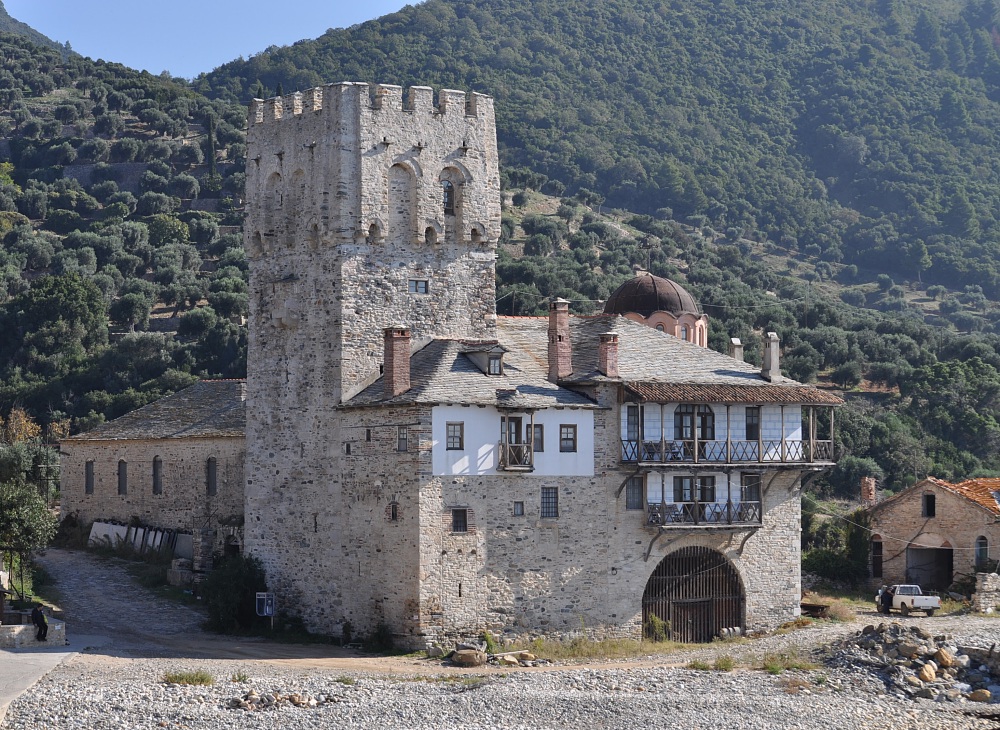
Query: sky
[{"x": 188, "y": 37}]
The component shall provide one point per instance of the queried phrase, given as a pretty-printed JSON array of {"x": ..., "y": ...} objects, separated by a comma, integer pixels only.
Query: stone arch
[
  {"x": 312, "y": 234},
  {"x": 232, "y": 548},
  {"x": 477, "y": 233},
  {"x": 698, "y": 592},
  {"x": 375, "y": 232},
  {"x": 402, "y": 203},
  {"x": 930, "y": 559},
  {"x": 431, "y": 233}
]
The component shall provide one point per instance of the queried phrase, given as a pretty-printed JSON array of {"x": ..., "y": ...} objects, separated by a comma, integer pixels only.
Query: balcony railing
[
  {"x": 766, "y": 451},
  {"x": 708, "y": 514},
  {"x": 516, "y": 457}
]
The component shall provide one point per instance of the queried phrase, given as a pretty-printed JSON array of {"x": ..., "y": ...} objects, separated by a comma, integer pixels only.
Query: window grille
[{"x": 550, "y": 502}]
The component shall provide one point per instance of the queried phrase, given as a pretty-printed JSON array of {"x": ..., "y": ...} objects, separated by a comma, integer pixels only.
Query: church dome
[{"x": 646, "y": 294}]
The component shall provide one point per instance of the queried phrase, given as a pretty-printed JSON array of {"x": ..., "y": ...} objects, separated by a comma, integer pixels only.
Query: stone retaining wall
[{"x": 987, "y": 595}]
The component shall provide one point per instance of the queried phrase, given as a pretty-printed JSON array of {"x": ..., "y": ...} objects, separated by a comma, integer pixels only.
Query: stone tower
[{"x": 363, "y": 212}]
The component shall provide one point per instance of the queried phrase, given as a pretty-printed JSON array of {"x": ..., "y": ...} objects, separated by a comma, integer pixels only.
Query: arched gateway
[{"x": 698, "y": 592}]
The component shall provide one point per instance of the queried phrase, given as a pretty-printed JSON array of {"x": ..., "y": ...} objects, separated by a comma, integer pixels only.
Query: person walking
[{"x": 39, "y": 620}]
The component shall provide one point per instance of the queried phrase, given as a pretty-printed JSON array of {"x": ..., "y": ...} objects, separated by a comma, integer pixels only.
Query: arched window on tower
[
  {"x": 449, "y": 197},
  {"x": 982, "y": 551}
]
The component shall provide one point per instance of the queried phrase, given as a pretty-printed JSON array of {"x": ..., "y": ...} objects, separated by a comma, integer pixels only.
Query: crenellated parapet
[{"x": 336, "y": 98}]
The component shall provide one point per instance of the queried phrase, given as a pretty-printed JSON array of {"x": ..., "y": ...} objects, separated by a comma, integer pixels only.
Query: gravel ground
[{"x": 122, "y": 686}]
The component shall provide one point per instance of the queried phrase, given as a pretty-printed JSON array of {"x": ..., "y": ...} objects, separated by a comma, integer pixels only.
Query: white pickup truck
[{"x": 906, "y": 598}]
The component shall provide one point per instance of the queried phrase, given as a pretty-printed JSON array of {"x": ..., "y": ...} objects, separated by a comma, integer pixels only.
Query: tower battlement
[{"x": 347, "y": 96}]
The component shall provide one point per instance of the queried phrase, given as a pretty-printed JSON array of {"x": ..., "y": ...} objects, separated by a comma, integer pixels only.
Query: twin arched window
[{"x": 690, "y": 419}]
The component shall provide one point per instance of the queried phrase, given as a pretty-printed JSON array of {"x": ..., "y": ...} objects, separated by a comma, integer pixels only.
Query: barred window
[
  {"x": 550, "y": 502},
  {"x": 456, "y": 436},
  {"x": 460, "y": 520},
  {"x": 449, "y": 197},
  {"x": 567, "y": 437},
  {"x": 634, "y": 493}
]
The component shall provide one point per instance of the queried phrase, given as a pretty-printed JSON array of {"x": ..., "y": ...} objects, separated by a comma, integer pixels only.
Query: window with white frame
[{"x": 567, "y": 437}]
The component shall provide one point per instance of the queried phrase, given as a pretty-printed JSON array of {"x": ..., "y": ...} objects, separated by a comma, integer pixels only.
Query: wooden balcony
[
  {"x": 516, "y": 457},
  {"x": 767, "y": 451},
  {"x": 705, "y": 514}
]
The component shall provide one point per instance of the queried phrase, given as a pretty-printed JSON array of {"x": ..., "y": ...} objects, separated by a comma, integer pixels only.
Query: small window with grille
[
  {"x": 550, "y": 502},
  {"x": 460, "y": 520}
]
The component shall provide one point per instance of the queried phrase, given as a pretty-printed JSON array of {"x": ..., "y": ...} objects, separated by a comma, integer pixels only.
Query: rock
[
  {"x": 944, "y": 658},
  {"x": 979, "y": 695},
  {"x": 909, "y": 650},
  {"x": 913, "y": 681},
  {"x": 927, "y": 673},
  {"x": 927, "y": 693},
  {"x": 435, "y": 651},
  {"x": 469, "y": 658},
  {"x": 469, "y": 646},
  {"x": 869, "y": 629},
  {"x": 962, "y": 661},
  {"x": 526, "y": 656},
  {"x": 509, "y": 660},
  {"x": 922, "y": 632}
]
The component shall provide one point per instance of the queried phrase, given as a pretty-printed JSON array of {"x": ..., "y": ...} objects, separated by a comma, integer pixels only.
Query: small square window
[
  {"x": 460, "y": 520},
  {"x": 634, "y": 489},
  {"x": 456, "y": 437},
  {"x": 567, "y": 437},
  {"x": 419, "y": 286},
  {"x": 402, "y": 438},
  {"x": 550, "y": 502},
  {"x": 518, "y": 509},
  {"x": 496, "y": 365}
]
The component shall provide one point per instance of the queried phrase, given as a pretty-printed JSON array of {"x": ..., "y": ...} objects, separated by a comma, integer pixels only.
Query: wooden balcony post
[
  {"x": 729, "y": 436},
  {"x": 783, "y": 452},
  {"x": 812, "y": 433},
  {"x": 663, "y": 437},
  {"x": 831, "y": 433},
  {"x": 531, "y": 442}
]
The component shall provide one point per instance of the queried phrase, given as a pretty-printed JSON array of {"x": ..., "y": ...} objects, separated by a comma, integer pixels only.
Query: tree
[
  {"x": 20, "y": 427},
  {"x": 130, "y": 310},
  {"x": 26, "y": 523}
]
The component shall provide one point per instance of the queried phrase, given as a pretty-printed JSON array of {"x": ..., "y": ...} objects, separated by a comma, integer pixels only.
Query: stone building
[
  {"x": 417, "y": 462},
  {"x": 935, "y": 532},
  {"x": 174, "y": 464}
]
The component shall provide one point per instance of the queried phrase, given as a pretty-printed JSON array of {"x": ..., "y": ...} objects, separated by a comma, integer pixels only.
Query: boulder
[
  {"x": 979, "y": 695},
  {"x": 908, "y": 649},
  {"x": 927, "y": 673},
  {"x": 469, "y": 658},
  {"x": 509, "y": 660},
  {"x": 526, "y": 656},
  {"x": 944, "y": 658},
  {"x": 434, "y": 651}
]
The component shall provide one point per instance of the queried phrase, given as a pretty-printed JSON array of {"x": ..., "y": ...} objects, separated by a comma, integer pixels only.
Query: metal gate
[{"x": 697, "y": 591}]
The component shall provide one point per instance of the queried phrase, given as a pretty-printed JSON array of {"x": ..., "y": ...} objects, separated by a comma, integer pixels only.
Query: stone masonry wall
[
  {"x": 345, "y": 209},
  {"x": 184, "y": 503},
  {"x": 987, "y": 595},
  {"x": 957, "y": 521}
]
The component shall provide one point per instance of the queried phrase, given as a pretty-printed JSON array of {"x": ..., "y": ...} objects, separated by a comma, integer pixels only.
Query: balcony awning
[{"x": 655, "y": 392}]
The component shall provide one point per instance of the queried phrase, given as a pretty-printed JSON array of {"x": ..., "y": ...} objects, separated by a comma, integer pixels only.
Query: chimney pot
[
  {"x": 771, "y": 367},
  {"x": 607, "y": 356},
  {"x": 736, "y": 349},
  {"x": 560, "y": 348},
  {"x": 396, "y": 371}
]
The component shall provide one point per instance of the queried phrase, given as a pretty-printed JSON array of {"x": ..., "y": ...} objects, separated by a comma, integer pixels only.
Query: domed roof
[{"x": 646, "y": 294}]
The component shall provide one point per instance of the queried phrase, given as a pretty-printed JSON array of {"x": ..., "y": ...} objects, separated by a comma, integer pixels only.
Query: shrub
[
  {"x": 656, "y": 629},
  {"x": 724, "y": 663},
  {"x": 230, "y": 594},
  {"x": 199, "y": 676}
]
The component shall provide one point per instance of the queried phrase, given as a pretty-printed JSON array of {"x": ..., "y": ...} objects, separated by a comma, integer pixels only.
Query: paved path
[{"x": 21, "y": 668}]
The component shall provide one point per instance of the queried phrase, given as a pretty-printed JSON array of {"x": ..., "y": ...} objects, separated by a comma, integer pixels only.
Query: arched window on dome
[
  {"x": 684, "y": 332},
  {"x": 659, "y": 328}
]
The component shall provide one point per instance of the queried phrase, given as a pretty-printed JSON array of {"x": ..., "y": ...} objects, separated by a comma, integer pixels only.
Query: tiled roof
[
  {"x": 654, "y": 365},
  {"x": 981, "y": 491},
  {"x": 211, "y": 408}
]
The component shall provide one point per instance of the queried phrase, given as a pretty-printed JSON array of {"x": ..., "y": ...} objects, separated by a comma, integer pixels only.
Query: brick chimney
[
  {"x": 736, "y": 349},
  {"x": 867, "y": 491},
  {"x": 771, "y": 368},
  {"x": 560, "y": 350},
  {"x": 396, "y": 376},
  {"x": 607, "y": 354}
]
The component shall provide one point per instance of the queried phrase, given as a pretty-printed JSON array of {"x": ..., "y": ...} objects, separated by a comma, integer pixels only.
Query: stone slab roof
[
  {"x": 211, "y": 408},
  {"x": 440, "y": 373},
  {"x": 983, "y": 492},
  {"x": 658, "y": 366},
  {"x": 654, "y": 365}
]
